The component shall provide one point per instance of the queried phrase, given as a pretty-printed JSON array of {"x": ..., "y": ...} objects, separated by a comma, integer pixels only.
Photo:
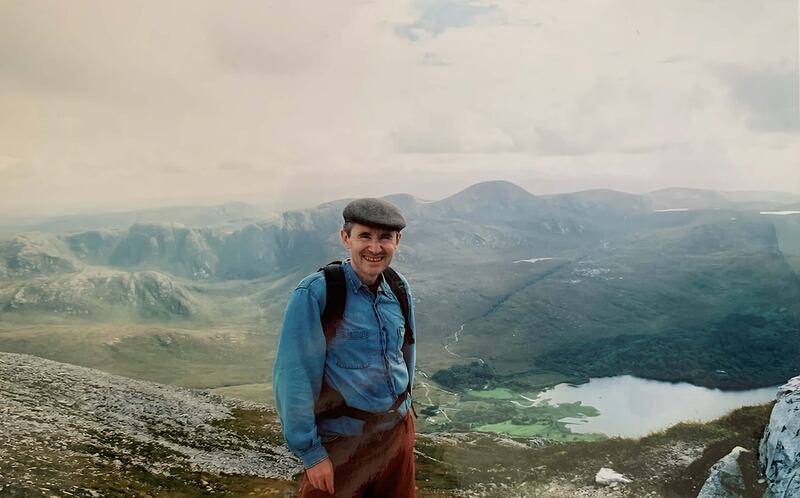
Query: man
[{"x": 363, "y": 446}]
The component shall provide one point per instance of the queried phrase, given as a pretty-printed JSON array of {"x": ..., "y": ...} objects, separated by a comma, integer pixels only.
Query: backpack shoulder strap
[
  {"x": 335, "y": 296},
  {"x": 400, "y": 291}
]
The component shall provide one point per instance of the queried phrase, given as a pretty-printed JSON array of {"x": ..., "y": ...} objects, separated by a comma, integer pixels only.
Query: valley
[{"x": 514, "y": 294}]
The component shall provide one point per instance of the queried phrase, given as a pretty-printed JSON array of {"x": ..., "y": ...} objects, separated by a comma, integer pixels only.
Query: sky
[{"x": 123, "y": 105}]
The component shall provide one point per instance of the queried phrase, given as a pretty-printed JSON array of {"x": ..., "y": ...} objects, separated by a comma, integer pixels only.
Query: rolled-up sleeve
[{"x": 297, "y": 375}]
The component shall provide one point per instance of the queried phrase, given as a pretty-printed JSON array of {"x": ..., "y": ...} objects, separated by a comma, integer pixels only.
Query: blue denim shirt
[{"x": 365, "y": 362}]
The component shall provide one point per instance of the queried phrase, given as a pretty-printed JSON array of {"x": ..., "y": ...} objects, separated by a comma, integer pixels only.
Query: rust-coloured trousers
[{"x": 376, "y": 466}]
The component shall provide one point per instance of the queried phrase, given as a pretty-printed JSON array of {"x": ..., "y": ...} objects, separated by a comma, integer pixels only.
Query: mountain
[
  {"x": 700, "y": 298},
  {"x": 489, "y": 201},
  {"x": 224, "y": 216},
  {"x": 759, "y": 196},
  {"x": 256, "y": 250},
  {"x": 598, "y": 203},
  {"x": 687, "y": 198},
  {"x": 486, "y": 218},
  {"x": 33, "y": 255},
  {"x": 101, "y": 295},
  {"x": 181, "y": 251},
  {"x": 534, "y": 285},
  {"x": 301, "y": 238}
]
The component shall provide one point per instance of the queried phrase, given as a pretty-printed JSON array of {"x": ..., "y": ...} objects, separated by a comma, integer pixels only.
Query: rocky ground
[
  {"x": 65, "y": 430},
  {"x": 73, "y": 431}
]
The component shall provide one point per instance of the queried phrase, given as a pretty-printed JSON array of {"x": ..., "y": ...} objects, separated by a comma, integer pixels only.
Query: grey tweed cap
[{"x": 375, "y": 213}]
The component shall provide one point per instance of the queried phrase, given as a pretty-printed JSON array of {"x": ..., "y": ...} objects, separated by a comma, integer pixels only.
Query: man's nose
[{"x": 375, "y": 246}]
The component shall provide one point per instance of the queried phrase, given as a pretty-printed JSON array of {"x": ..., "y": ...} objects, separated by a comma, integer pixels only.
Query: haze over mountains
[{"x": 678, "y": 284}]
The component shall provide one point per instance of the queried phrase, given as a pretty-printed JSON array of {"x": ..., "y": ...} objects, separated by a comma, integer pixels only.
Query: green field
[
  {"x": 500, "y": 393},
  {"x": 547, "y": 430},
  {"x": 257, "y": 393}
]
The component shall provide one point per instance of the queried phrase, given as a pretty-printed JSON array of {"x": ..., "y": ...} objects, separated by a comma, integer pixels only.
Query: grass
[
  {"x": 189, "y": 357},
  {"x": 544, "y": 421},
  {"x": 655, "y": 463},
  {"x": 500, "y": 393},
  {"x": 547, "y": 430},
  {"x": 257, "y": 393}
]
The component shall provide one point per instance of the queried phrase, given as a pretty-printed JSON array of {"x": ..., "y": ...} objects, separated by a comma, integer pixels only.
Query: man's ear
[
  {"x": 398, "y": 237},
  {"x": 345, "y": 238}
]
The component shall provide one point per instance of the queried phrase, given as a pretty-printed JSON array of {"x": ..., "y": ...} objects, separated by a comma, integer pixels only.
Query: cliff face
[
  {"x": 779, "y": 452},
  {"x": 778, "y": 456}
]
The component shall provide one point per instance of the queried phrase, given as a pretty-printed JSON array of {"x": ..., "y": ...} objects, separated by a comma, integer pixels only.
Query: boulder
[
  {"x": 608, "y": 477},
  {"x": 779, "y": 451},
  {"x": 725, "y": 478}
]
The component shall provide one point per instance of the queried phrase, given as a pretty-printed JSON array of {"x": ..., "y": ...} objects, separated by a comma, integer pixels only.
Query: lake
[{"x": 634, "y": 407}]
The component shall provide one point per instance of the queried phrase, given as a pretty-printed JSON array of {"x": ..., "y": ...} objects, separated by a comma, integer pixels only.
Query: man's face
[{"x": 371, "y": 249}]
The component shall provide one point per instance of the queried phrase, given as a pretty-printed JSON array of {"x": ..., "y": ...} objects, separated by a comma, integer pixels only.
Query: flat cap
[{"x": 375, "y": 213}]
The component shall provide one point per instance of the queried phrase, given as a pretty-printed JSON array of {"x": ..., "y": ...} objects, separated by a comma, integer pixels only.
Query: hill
[{"x": 73, "y": 431}]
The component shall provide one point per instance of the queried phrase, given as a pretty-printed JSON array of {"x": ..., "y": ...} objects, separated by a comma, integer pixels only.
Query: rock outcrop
[
  {"x": 779, "y": 451},
  {"x": 726, "y": 479}
]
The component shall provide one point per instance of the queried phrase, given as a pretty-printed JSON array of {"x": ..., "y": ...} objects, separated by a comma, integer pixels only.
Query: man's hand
[{"x": 321, "y": 475}]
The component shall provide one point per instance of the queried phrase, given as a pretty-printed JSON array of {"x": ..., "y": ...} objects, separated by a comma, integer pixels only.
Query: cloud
[
  {"x": 437, "y": 16},
  {"x": 768, "y": 96},
  {"x": 549, "y": 142},
  {"x": 275, "y": 40},
  {"x": 672, "y": 59},
  {"x": 13, "y": 168},
  {"x": 182, "y": 100},
  {"x": 174, "y": 169},
  {"x": 432, "y": 59},
  {"x": 463, "y": 133},
  {"x": 237, "y": 167}
]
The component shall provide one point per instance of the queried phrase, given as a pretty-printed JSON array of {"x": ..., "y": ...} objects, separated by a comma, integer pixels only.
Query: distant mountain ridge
[
  {"x": 546, "y": 278},
  {"x": 230, "y": 215},
  {"x": 492, "y": 214}
]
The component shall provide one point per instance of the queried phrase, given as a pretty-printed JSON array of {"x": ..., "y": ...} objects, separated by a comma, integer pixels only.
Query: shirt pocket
[
  {"x": 396, "y": 344},
  {"x": 351, "y": 349}
]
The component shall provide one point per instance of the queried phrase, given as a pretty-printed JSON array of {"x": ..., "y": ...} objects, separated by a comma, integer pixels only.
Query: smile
[{"x": 373, "y": 259}]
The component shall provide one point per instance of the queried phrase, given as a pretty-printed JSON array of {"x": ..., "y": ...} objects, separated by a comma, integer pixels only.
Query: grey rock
[
  {"x": 779, "y": 451},
  {"x": 725, "y": 479}
]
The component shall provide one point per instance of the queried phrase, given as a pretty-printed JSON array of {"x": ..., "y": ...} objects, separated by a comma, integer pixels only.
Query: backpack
[{"x": 330, "y": 403}]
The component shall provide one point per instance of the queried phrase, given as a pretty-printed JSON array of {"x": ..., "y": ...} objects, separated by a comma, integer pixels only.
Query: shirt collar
[{"x": 355, "y": 283}]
